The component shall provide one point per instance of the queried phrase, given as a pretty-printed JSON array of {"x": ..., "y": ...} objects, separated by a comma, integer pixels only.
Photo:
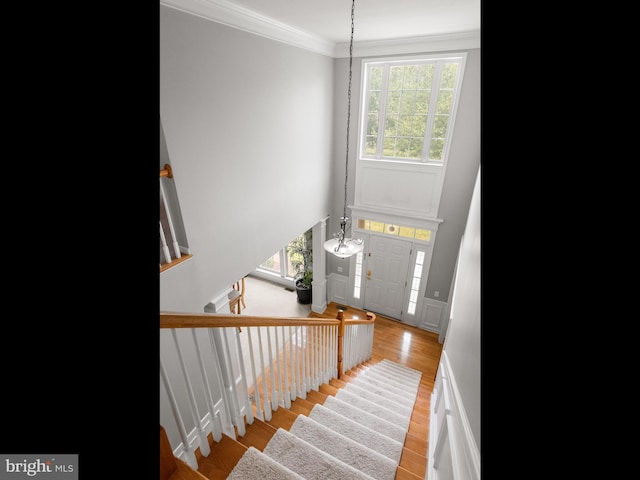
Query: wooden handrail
[
  {"x": 166, "y": 172},
  {"x": 205, "y": 320},
  {"x": 371, "y": 318}
]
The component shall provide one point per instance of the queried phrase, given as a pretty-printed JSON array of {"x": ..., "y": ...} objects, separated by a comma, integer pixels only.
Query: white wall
[
  {"x": 462, "y": 166},
  {"x": 248, "y": 129},
  {"x": 462, "y": 343}
]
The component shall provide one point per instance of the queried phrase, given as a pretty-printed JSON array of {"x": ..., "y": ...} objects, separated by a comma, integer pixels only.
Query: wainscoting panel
[
  {"x": 338, "y": 288},
  {"x": 453, "y": 452},
  {"x": 432, "y": 315}
]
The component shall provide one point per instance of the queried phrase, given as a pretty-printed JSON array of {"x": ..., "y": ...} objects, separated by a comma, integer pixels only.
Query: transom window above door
[
  {"x": 394, "y": 229},
  {"x": 408, "y": 107}
]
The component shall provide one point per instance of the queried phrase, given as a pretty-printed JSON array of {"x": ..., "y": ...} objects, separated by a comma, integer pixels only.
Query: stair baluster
[
  {"x": 265, "y": 389},
  {"x": 222, "y": 345},
  {"x": 188, "y": 453},
  {"x": 216, "y": 426},
  {"x": 204, "y": 443},
  {"x": 256, "y": 390}
]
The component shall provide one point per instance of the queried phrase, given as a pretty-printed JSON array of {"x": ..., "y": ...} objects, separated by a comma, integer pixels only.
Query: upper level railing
[
  {"x": 218, "y": 369},
  {"x": 170, "y": 252}
]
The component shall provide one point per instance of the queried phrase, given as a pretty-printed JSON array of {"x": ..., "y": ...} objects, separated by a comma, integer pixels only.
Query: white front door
[{"x": 387, "y": 265}]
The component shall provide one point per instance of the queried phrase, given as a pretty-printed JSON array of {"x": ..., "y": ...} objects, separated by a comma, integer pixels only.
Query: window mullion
[
  {"x": 431, "y": 113},
  {"x": 284, "y": 259},
  {"x": 382, "y": 114}
]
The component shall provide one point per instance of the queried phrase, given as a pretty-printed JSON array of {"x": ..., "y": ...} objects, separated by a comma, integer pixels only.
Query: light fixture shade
[{"x": 345, "y": 249}]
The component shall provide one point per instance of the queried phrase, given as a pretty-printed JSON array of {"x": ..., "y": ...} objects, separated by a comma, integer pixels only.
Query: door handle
[{"x": 368, "y": 274}]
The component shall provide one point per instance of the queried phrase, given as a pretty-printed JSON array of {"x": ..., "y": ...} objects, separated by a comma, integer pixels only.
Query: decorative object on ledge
[
  {"x": 340, "y": 245},
  {"x": 301, "y": 255}
]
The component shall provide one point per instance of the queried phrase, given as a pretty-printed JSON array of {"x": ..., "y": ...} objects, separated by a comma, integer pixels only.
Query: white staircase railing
[
  {"x": 215, "y": 378},
  {"x": 358, "y": 342}
]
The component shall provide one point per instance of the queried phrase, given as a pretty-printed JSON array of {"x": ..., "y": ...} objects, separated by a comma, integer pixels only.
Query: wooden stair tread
[
  {"x": 357, "y": 370},
  {"x": 338, "y": 383},
  {"x": 404, "y": 474},
  {"x": 419, "y": 414},
  {"x": 413, "y": 462},
  {"x": 282, "y": 418},
  {"x": 168, "y": 464},
  {"x": 328, "y": 389},
  {"x": 185, "y": 472},
  {"x": 415, "y": 442},
  {"x": 224, "y": 455},
  {"x": 302, "y": 406},
  {"x": 316, "y": 397},
  {"x": 257, "y": 434},
  {"x": 419, "y": 428}
]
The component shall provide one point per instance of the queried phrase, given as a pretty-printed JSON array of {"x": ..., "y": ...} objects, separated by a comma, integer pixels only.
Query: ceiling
[{"x": 374, "y": 19}]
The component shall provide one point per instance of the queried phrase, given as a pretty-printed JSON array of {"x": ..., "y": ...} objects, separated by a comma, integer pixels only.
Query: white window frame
[
  {"x": 438, "y": 60},
  {"x": 282, "y": 277}
]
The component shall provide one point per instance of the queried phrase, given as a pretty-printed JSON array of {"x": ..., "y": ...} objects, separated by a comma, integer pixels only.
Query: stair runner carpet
[{"x": 357, "y": 434}]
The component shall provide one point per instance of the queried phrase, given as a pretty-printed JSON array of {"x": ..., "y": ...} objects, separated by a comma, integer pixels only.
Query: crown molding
[
  {"x": 227, "y": 13},
  {"x": 399, "y": 46}
]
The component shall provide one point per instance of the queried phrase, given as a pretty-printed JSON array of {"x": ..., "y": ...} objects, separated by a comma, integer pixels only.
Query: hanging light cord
[
  {"x": 341, "y": 246},
  {"x": 346, "y": 171}
]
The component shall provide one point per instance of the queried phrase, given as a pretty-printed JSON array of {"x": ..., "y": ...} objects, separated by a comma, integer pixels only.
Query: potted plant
[{"x": 301, "y": 256}]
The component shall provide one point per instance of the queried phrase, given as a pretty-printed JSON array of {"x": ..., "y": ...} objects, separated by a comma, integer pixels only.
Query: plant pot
[{"x": 304, "y": 294}]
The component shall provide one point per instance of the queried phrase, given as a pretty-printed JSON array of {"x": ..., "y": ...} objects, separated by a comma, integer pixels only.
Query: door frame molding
[{"x": 388, "y": 216}]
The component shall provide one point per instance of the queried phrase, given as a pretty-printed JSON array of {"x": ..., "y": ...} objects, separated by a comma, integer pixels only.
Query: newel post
[{"x": 340, "y": 317}]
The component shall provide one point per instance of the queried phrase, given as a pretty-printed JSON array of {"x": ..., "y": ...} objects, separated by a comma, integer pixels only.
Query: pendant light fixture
[{"x": 340, "y": 245}]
